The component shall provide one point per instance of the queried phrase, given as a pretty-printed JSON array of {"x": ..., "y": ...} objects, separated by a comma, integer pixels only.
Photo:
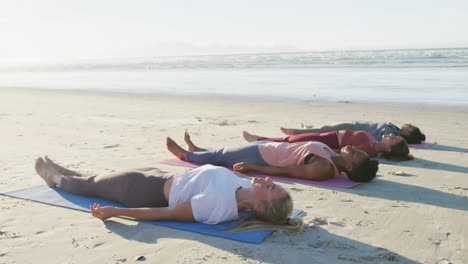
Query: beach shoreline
[
  {"x": 421, "y": 83},
  {"x": 241, "y": 98},
  {"x": 417, "y": 218}
]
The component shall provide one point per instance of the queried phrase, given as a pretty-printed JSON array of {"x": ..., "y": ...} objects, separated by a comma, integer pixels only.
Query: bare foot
[
  {"x": 306, "y": 126},
  {"x": 60, "y": 169},
  {"x": 46, "y": 173},
  {"x": 288, "y": 131},
  {"x": 176, "y": 149},
  {"x": 191, "y": 146},
  {"x": 249, "y": 137}
]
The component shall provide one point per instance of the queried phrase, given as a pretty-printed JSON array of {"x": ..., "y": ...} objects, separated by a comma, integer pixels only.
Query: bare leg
[
  {"x": 144, "y": 169},
  {"x": 175, "y": 149},
  {"x": 191, "y": 146},
  {"x": 60, "y": 169},
  {"x": 249, "y": 137},
  {"x": 288, "y": 131},
  {"x": 306, "y": 126},
  {"x": 48, "y": 174}
]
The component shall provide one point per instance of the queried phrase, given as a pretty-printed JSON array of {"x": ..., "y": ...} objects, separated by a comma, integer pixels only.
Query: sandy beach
[{"x": 420, "y": 217}]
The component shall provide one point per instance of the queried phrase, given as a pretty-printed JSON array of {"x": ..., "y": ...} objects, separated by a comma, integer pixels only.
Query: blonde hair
[{"x": 276, "y": 217}]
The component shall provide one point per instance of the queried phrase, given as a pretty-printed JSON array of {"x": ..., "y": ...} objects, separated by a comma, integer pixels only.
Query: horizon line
[{"x": 78, "y": 61}]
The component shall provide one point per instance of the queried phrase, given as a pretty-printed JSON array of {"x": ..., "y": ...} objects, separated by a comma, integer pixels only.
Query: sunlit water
[{"x": 419, "y": 76}]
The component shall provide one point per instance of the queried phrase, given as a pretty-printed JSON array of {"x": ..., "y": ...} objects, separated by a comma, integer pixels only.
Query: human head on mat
[
  {"x": 391, "y": 146},
  {"x": 208, "y": 194},
  {"x": 304, "y": 160},
  {"x": 410, "y": 133}
]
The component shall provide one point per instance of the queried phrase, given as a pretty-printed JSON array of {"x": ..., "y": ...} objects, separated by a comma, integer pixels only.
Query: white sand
[{"x": 417, "y": 218}]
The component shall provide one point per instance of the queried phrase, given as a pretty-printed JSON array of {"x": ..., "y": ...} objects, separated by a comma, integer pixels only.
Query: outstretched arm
[
  {"x": 180, "y": 212},
  {"x": 319, "y": 170},
  {"x": 245, "y": 167}
]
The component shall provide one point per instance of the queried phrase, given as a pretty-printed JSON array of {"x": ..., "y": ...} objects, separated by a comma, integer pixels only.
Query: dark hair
[
  {"x": 413, "y": 136},
  {"x": 365, "y": 172},
  {"x": 399, "y": 152}
]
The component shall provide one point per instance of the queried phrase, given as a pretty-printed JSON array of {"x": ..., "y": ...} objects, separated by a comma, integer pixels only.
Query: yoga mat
[
  {"x": 57, "y": 197},
  {"x": 422, "y": 145},
  {"x": 342, "y": 181}
]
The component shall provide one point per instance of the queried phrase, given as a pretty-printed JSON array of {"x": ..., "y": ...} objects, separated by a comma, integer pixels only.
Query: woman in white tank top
[{"x": 208, "y": 194}]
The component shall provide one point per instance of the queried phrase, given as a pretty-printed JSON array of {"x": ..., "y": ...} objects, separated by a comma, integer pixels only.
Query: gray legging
[
  {"x": 132, "y": 188},
  {"x": 229, "y": 156}
]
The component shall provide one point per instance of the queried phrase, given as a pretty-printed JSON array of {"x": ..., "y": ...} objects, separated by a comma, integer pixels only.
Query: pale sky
[{"x": 61, "y": 31}]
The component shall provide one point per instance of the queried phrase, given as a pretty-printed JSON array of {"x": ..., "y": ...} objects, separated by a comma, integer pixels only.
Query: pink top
[
  {"x": 360, "y": 139},
  {"x": 282, "y": 154}
]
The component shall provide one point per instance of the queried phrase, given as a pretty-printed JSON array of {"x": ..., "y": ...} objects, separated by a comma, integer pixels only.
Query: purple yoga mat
[
  {"x": 342, "y": 181},
  {"x": 422, "y": 145}
]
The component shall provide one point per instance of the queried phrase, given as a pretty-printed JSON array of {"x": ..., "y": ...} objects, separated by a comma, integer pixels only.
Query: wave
[{"x": 414, "y": 58}]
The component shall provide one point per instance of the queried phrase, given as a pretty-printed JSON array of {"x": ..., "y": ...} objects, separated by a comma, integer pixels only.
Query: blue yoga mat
[{"x": 58, "y": 197}]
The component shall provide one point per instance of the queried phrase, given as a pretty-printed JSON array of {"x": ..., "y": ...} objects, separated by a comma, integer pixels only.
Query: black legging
[{"x": 132, "y": 188}]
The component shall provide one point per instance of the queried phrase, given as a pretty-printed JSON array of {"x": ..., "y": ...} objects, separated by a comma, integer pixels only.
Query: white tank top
[{"x": 211, "y": 191}]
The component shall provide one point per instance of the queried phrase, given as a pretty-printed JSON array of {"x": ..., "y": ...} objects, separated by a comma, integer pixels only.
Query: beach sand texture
[{"x": 420, "y": 217}]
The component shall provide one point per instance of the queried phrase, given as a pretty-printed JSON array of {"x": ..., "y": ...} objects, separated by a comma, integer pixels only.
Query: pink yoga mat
[
  {"x": 341, "y": 182},
  {"x": 422, "y": 145}
]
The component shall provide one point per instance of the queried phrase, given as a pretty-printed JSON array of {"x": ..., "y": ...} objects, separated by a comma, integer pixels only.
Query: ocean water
[{"x": 426, "y": 76}]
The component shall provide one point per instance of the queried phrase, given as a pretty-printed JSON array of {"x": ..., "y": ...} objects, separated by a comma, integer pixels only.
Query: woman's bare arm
[
  {"x": 318, "y": 170},
  {"x": 179, "y": 212},
  {"x": 245, "y": 167}
]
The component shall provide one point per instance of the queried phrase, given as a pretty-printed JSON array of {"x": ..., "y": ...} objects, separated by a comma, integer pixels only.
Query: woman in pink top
[
  {"x": 305, "y": 160},
  {"x": 391, "y": 146}
]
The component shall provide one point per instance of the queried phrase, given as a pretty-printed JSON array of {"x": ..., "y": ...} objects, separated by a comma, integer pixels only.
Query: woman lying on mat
[
  {"x": 305, "y": 160},
  {"x": 208, "y": 194},
  {"x": 391, "y": 146},
  {"x": 410, "y": 133}
]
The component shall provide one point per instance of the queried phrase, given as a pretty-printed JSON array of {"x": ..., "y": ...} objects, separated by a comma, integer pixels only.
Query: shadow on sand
[
  {"x": 395, "y": 191},
  {"x": 427, "y": 164},
  {"x": 448, "y": 148},
  {"x": 315, "y": 245}
]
